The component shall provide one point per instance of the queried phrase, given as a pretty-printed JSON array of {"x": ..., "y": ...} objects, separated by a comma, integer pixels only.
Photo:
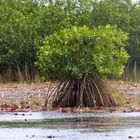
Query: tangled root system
[{"x": 85, "y": 92}]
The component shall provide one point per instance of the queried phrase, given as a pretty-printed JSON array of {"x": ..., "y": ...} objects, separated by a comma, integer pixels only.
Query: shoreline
[{"x": 24, "y": 97}]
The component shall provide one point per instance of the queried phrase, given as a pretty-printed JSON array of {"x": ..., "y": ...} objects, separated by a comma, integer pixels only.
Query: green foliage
[
  {"x": 134, "y": 31},
  {"x": 20, "y": 32},
  {"x": 19, "y": 25},
  {"x": 123, "y": 13},
  {"x": 25, "y": 23},
  {"x": 78, "y": 51},
  {"x": 61, "y": 14}
]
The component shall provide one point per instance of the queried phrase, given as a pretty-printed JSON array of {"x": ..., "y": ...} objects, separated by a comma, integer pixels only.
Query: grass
[
  {"x": 20, "y": 78},
  {"x": 120, "y": 98}
]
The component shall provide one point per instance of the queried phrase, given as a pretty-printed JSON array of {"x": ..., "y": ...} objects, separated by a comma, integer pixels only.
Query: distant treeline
[{"x": 24, "y": 24}]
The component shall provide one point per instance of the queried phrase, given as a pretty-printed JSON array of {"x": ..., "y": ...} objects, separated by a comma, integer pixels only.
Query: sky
[{"x": 134, "y": 0}]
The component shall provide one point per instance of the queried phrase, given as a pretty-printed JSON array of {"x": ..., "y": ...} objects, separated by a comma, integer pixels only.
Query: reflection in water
[{"x": 68, "y": 126}]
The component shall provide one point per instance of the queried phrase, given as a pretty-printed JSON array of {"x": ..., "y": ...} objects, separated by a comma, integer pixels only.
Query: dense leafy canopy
[
  {"x": 24, "y": 24},
  {"x": 20, "y": 33},
  {"x": 73, "y": 53},
  {"x": 123, "y": 13}
]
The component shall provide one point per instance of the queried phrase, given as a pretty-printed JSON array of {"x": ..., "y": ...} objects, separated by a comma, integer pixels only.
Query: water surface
[{"x": 69, "y": 126}]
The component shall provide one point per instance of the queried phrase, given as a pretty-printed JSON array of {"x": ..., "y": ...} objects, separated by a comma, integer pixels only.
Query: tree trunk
[{"x": 135, "y": 71}]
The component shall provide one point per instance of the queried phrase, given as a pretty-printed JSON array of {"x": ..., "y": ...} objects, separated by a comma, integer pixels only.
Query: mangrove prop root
[{"x": 85, "y": 92}]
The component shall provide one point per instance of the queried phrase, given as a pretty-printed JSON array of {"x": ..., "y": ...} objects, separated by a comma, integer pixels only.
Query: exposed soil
[
  {"x": 22, "y": 97},
  {"x": 130, "y": 89},
  {"x": 31, "y": 97}
]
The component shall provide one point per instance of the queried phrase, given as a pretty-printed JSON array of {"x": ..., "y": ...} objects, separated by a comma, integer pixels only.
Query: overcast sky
[{"x": 134, "y": 0}]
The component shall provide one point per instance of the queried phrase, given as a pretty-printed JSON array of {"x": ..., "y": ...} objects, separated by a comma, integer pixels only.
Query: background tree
[
  {"x": 25, "y": 23},
  {"x": 20, "y": 35},
  {"x": 79, "y": 58},
  {"x": 62, "y": 14},
  {"x": 125, "y": 14},
  {"x": 23, "y": 26}
]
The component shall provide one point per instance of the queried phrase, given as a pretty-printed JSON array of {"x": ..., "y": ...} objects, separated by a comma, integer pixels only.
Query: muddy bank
[
  {"x": 31, "y": 97},
  {"x": 22, "y": 97}
]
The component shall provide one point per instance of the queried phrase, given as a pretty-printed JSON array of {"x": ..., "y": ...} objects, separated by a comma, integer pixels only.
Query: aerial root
[{"x": 84, "y": 92}]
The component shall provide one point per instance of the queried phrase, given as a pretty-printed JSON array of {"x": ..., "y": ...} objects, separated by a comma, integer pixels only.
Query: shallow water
[{"x": 69, "y": 126}]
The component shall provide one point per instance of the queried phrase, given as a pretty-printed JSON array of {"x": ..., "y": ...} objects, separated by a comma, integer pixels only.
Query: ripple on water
[{"x": 69, "y": 126}]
